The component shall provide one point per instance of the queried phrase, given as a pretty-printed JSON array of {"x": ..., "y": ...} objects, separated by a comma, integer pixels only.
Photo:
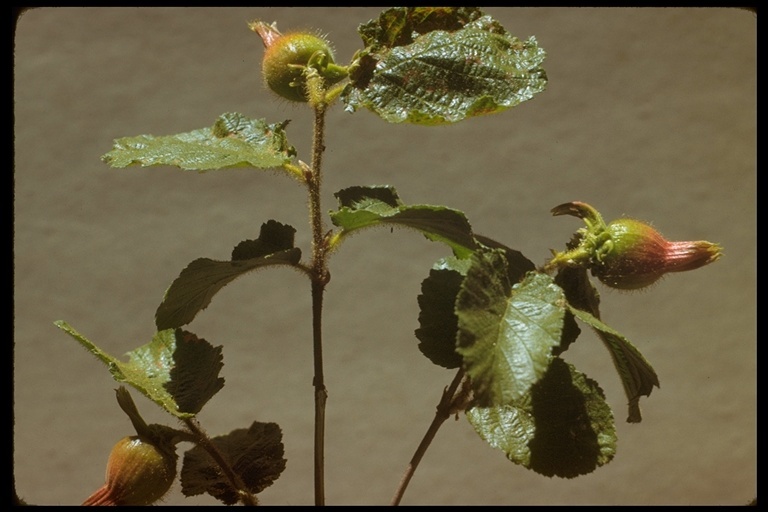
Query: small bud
[
  {"x": 635, "y": 255},
  {"x": 138, "y": 473}
]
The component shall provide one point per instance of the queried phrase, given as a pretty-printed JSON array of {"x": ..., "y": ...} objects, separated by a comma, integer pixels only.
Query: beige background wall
[{"x": 648, "y": 112}]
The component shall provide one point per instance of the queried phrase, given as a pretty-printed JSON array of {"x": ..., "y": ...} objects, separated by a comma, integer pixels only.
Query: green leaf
[
  {"x": 442, "y": 65},
  {"x": 397, "y": 26},
  {"x": 637, "y": 375},
  {"x": 437, "y": 317},
  {"x": 193, "y": 290},
  {"x": 561, "y": 427},
  {"x": 176, "y": 370},
  {"x": 506, "y": 333},
  {"x": 578, "y": 289},
  {"x": 233, "y": 141},
  {"x": 363, "y": 207},
  {"x": 438, "y": 323},
  {"x": 255, "y": 454},
  {"x": 517, "y": 264},
  {"x": 579, "y": 293}
]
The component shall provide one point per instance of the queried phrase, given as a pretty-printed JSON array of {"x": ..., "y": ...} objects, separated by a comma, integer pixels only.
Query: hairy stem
[
  {"x": 444, "y": 409},
  {"x": 320, "y": 277},
  {"x": 205, "y": 442}
]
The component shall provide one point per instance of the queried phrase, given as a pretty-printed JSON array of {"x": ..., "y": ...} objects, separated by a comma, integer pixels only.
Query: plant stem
[
  {"x": 444, "y": 409},
  {"x": 320, "y": 277},
  {"x": 205, "y": 442}
]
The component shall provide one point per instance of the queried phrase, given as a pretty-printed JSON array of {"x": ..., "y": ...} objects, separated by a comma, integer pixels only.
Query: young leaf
[
  {"x": 637, "y": 375},
  {"x": 506, "y": 333},
  {"x": 193, "y": 290},
  {"x": 176, "y": 370},
  {"x": 233, "y": 141},
  {"x": 561, "y": 427},
  {"x": 255, "y": 454},
  {"x": 442, "y": 65},
  {"x": 362, "y": 207}
]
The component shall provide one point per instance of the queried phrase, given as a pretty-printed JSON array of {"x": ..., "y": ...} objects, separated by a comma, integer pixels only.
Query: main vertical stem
[{"x": 320, "y": 278}]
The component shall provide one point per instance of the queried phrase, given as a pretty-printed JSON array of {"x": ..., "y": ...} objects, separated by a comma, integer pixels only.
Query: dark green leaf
[
  {"x": 637, "y": 375},
  {"x": 363, "y": 207},
  {"x": 506, "y": 333},
  {"x": 255, "y": 454},
  {"x": 233, "y": 141},
  {"x": 437, "y": 318},
  {"x": 561, "y": 427},
  {"x": 176, "y": 370},
  {"x": 578, "y": 289},
  {"x": 193, "y": 290},
  {"x": 436, "y": 66},
  {"x": 579, "y": 293},
  {"x": 397, "y": 26},
  {"x": 361, "y": 197},
  {"x": 517, "y": 264},
  {"x": 274, "y": 237}
]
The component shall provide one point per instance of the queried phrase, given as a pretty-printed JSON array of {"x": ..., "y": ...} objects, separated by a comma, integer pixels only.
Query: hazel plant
[{"x": 499, "y": 322}]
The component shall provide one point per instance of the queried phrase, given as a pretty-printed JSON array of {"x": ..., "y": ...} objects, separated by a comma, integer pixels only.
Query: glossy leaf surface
[
  {"x": 506, "y": 332},
  {"x": 233, "y": 141},
  {"x": 437, "y": 65},
  {"x": 561, "y": 427}
]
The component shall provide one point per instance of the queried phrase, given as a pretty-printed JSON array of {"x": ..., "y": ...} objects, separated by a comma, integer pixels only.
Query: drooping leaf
[
  {"x": 579, "y": 293},
  {"x": 578, "y": 289},
  {"x": 441, "y": 65},
  {"x": 193, "y": 290},
  {"x": 561, "y": 427},
  {"x": 233, "y": 141},
  {"x": 637, "y": 375},
  {"x": 176, "y": 370},
  {"x": 363, "y": 207},
  {"x": 506, "y": 333},
  {"x": 255, "y": 455}
]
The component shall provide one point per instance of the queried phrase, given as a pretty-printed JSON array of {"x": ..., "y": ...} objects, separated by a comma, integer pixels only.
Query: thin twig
[
  {"x": 442, "y": 413},
  {"x": 235, "y": 481}
]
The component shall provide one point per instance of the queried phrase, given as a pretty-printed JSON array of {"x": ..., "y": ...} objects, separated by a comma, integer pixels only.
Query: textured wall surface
[{"x": 649, "y": 113}]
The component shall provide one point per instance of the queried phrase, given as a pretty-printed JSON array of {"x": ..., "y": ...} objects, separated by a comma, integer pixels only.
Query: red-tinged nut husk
[
  {"x": 636, "y": 255},
  {"x": 285, "y": 58},
  {"x": 138, "y": 473}
]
